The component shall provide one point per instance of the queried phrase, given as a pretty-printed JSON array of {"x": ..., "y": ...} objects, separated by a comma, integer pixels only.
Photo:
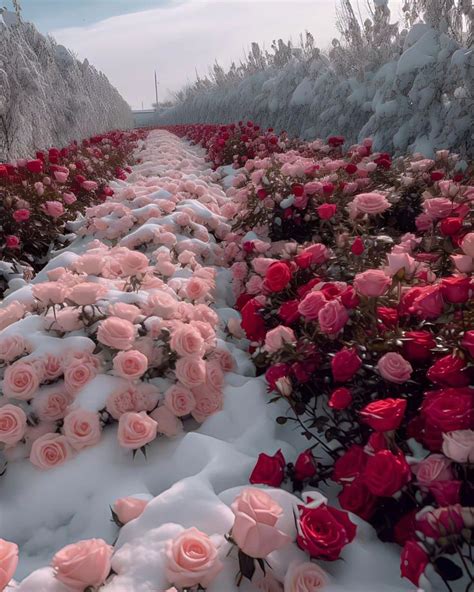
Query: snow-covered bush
[
  {"x": 409, "y": 89},
  {"x": 48, "y": 97}
]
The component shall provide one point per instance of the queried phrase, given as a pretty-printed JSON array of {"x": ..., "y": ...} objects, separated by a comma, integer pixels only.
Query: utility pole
[{"x": 156, "y": 92}]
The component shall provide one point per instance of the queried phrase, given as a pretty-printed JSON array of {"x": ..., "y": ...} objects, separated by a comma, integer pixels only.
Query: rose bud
[
  {"x": 340, "y": 398},
  {"x": 269, "y": 470},
  {"x": 305, "y": 466}
]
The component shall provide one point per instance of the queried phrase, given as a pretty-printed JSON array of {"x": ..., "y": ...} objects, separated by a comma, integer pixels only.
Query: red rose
[
  {"x": 440, "y": 522},
  {"x": 276, "y": 372},
  {"x": 350, "y": 298},
  {"x": 278, "y": 276},
  {"x": 404, "y": 529},
  {"x": 413, "y": 561},
  {"x": 335, "y": 141},
  {"x": 3, "y": 171},
  {"x": 252, "y": 322},
  {"x": 456, "y": 289},
  {"x": 417, "y": 346},
  {"x": 437, "y": 175},
  {"x": 305, "y": 288},
  {"x": 345, "y": 364},
  {"x": 269, "y": 470},
  {"x": 35, "y": 166},
  {"x": 388, "y": 316},
  {"x": 288, "y": 312},
  {"x": 467, "y": 342},
  {"x": 384, "y": 415},
  {"x": 305, "y": 466},
  {"x": 351, "y": 168},
  {"x": 340, "y": 398},
  {"x": 12, "y": 242},
  {"x": 303, "y": 260},
  {"x": 302, "y": 371},
  {"x": 242, "y": 301},
  {"x": 357, "y": 247},
  {"x": 450, "y": 226},
  {"x": 350, "y": 465},
  {"x": 449, "y": 371},
  {"x": 429, "y": 303},
  {"x": 375, "y": 443},
  {"x": 446, "y": 493},
  {"x": 326, "y": 211},
  {"x": 445, "y": 410},
  {"x": 297, "y": 189},
  {"x": 356, "y": 498},
  {"x": 386, "y": 473},
  {"x": 324, "y": 531}
]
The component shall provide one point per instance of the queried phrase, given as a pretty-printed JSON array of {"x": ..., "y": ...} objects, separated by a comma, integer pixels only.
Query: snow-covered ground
[
  {"x": 47, "y": 96},
  {"x": 192, "y": 478}
]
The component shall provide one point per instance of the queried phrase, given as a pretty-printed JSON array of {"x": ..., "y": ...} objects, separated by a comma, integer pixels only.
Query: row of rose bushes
[
  {"x": 38, "y": 196},
  {"x": 193, "y": 559},
  {"x": 364, "y": 329}
]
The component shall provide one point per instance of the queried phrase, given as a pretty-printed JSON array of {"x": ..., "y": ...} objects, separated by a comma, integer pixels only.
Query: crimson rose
[
  {"x": 269, "y": 470},
  {"x": 386, "y": 473},
  {"x": 278, "y": 276},
  {"x": 384, "y": 415},
  {"x": 345, "y": 364},
  {"x": 324, "y": 531}
]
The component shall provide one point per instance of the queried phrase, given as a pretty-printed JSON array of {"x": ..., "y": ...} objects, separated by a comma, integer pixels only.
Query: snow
[
  {"x": 192, "y": 478},
  {"x": 47, "y": 96}
]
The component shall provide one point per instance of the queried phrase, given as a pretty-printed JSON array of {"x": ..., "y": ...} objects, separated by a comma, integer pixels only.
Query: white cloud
[{"x": 188, "y": 35}]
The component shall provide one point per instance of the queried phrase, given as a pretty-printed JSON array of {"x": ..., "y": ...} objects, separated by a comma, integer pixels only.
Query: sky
[{"x": 128, "y": 39}]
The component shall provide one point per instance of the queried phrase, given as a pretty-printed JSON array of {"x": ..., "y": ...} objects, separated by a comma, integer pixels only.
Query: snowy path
[{"x": 193, "y": 478}]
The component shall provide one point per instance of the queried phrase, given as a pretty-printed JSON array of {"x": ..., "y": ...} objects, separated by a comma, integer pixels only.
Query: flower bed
[
  {"x": 361, "y": 329},
  {"x": 353, "y": 276},
  {"x": 39, "y": 196}
]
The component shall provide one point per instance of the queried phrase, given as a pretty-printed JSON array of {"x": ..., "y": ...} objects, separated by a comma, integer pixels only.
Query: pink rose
[
  {"x": 11, "y": 346},
  {"x": 372, "y": 283},
  {"x": 332, "y": 317},
  {"x": 276, "y": 338},
  {"x": 370, "y": 203},
  {"x": 8, "y": 562},
  {"x": 187, "y": 340},
  {"x": 168, "y": 423},
  {"x": 214, "y": 378},
  {"x": 54, "y": 208},
  {"x": 49, "y": 292},
  {"x": 434, "y": 468},
  {"x": 86, "y": 293},
  {"x": 196, "y": 288},
  {"x": 130, "y": 364},
  {"x": 52, "y": 367},
  {"x": 191, "y": 559},
  {"x": 458, "y": 445},
  {"x": 78, "y": 372},
  {"x": 319, "y": 253},
  {"x": 224, "y": 358},
  {"x": 208, "y": 403},
  {"x": 467, "y": 244},
  {"x": 161, "y": 304},
  {"x": 69, "y": 198},
  {"x": 438, "y": 207},
  {"x": 65, "y": 320},
  {"x": 21, "y": 380},
  {"x": 12, "y": 424},
  {"x": 89, "y": 185},
  {"x": 129, "y": 312},
  {"x": 191, "y": 371},
  {"x": 61, "y": 176},
  {"x": 82, "y": 428},
  {"x": 90, "y": 263},
  {"x": 254, "y": 531},
  {"x": 143, "y": 397},
  {"x": 133, "y": 263},
  {"x": 129, "y": 508},
  {"x": 394, "y": 368},
  {"x": 50, "y": 450},
  {"x": 21, "y": 215},
  {"x": 463, "y": 263},
  {"x": 116, "y": 333},
  {"x": 305, "y": 577},
  {"x": 136, "y": 429},
  {"x": 50, "y": 404},
  {"x": 180, "y": 400},
  {"x": 83, "y": 564},
  {"x": 311, "y": 304}
]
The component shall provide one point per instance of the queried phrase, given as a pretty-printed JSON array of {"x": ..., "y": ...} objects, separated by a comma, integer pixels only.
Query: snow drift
[
  {"x": 417, "y": 96},
  {"x": 47, "y": 96}
]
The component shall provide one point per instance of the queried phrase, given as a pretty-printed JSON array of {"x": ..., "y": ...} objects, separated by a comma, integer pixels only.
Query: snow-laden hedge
[
  {"x": 47, "y": 97},
  {"x": 422, "y": 100}
]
